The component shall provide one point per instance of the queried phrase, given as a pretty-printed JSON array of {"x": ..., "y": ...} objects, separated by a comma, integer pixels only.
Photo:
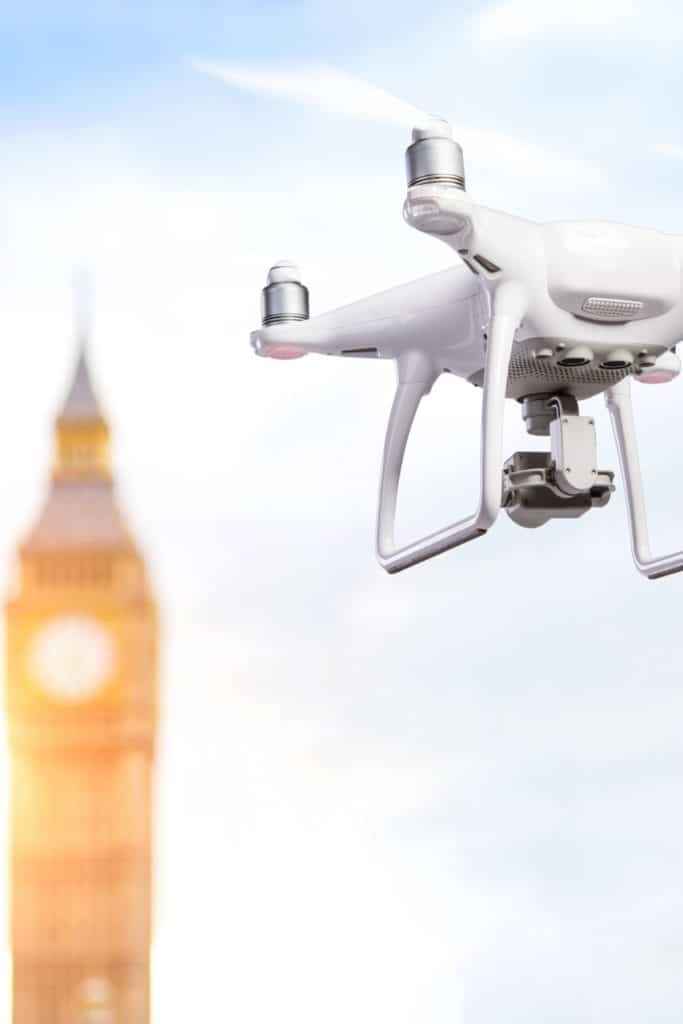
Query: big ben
[{"x": 81, "y": 703}]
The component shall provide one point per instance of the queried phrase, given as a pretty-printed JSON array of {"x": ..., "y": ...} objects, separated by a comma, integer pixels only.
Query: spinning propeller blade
[
  {"x": 335, "y": 91},
  {"x": 321, "y": 86}
]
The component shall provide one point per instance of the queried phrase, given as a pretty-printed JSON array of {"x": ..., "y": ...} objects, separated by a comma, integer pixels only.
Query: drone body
[{"x": 544, "y": 314}]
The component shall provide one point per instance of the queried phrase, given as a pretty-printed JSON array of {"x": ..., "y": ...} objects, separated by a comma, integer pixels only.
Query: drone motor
[
  {"x": 434, "y": 157},
  {"x": 284, "y": 300}
]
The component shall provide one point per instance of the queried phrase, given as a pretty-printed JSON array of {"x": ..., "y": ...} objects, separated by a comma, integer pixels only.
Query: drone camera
[{"x": 434, "y": 157}]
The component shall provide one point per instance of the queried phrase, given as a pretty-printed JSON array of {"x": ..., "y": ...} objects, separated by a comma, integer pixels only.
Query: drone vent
[
  {"x": 367, "y": 353},
  {"x": 489, "y": 266},
  {"x": 524, "y": 367},
  {"x": 613, "y": 310}
]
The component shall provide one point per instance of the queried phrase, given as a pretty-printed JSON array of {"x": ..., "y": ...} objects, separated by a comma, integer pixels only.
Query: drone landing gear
[
  {"x": 619, "y": 404},
  {"x": 563, "y": 483},
  {"x": 416, "y": 376}
]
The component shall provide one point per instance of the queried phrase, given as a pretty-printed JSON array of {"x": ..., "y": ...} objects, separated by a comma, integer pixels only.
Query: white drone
[{"x": 545, "y": 314}]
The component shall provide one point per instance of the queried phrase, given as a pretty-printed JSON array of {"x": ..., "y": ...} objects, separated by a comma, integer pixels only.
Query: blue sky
[{"x": 448, "y": 795}]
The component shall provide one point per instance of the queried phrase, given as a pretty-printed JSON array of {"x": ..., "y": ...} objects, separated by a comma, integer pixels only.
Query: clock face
[
  {"x": 95, "y": 1001},
  {"x": 72, "y": 657}
]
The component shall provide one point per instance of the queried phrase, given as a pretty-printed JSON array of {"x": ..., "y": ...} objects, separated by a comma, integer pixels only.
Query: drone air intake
[{"x": 545, "y": 314}]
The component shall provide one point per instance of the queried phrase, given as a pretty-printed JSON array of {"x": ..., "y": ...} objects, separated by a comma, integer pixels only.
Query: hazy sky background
[{"x": 455, "y": 792}]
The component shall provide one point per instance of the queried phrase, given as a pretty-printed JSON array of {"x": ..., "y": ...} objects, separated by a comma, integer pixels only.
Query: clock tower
[{"x": 81, "y": 702}]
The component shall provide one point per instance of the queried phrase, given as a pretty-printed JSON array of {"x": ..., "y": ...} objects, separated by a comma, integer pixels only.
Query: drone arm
[
  {"x": 621, "y": 411},
  {"x": 415, "y": 380},
  {"x": 387, "y": 323}
]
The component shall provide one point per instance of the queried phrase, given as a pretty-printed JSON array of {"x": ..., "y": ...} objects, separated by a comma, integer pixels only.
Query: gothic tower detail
[{"x": 81, "y": 702}]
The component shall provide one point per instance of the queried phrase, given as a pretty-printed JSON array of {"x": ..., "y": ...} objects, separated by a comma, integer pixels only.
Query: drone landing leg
[
  {"x": 619, "y": 403},
  {"x": 415, "y": 380}
]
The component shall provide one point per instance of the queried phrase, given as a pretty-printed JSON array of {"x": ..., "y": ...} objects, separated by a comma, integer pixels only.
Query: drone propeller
[
  {"x": 317, "y": 85},
  {"x": 335, "y": 91}
]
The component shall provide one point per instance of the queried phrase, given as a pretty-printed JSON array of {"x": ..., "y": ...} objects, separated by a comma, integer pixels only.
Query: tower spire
[
  {"x": 80, "y": 404},
  {"x": 83, "y": 306},
  {"x": 82, "y": 433},
  {"x": 81, "y": 401}
]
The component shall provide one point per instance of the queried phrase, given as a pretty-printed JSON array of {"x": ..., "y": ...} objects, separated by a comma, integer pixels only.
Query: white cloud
[
  {"x": 593, "y": 22},
  {"x": 669, "y": 149},
  {"x": 493, "y": 149},
  {"x": 525, "y": 19}
]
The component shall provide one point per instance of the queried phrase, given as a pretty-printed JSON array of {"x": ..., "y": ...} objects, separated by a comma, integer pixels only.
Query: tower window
[{"x": 87, "y": 572}]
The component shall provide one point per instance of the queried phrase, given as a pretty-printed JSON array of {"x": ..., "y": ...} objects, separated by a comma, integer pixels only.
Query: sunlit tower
[{"x": 81, "y": 702}]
